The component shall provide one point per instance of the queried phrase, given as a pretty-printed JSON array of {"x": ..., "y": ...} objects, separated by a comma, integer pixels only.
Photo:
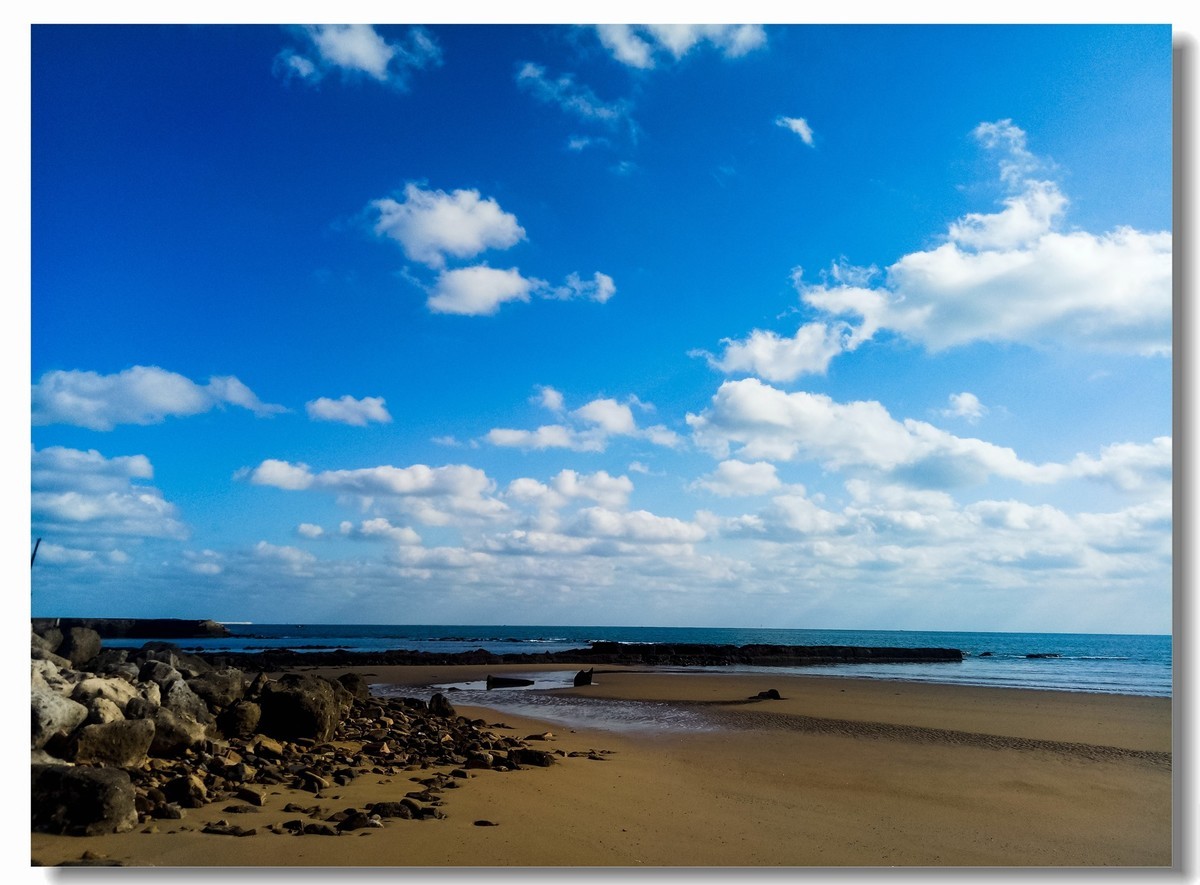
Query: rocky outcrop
[{"x": 299, "y": 706}]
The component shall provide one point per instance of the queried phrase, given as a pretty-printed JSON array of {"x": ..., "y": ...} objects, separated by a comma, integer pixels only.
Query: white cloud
[
  {"x": 549, "y": 398},
  {"x": 434, "y": 495},
  {"x": 356, "y": 50},
  {"x": 85, "y": 495},
  {"x": 309, "y": 530},
  {"x": 139, "y": 395},
  {"x": 797, "y": 125},
  {"x": 1130, "y": 467},
  {"x": 348, "y": 410},
  {"x": 379, "y": 527},
  {"x": 292, "y": 558},
  {"x": 609, "y": 491},
  {"x": 432, "y": 224},
  {"x": 965, "y": 405},
  {"x": 766, "y": 423},
  {"x": 1015, "y": 275},
  {"x": 479, "y": 291},
  {"x": 769, "y": 356},
  {"x": 600, "y": 288},
  {"x": 639, "y": 526},
  {"x": 738, "y": 478},
  {"x": 638, "y": 45},
  {"x": 596, "y": 421}
]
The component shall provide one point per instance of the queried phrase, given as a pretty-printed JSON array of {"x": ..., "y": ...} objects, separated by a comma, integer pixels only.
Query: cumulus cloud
[
  {"x": 1016, "y": 275},
  {"x": 356, "y": 51},
  {"x": 639, "y": 526},
  {"x": 1130, "y": 467},
  {"x": 599, "y": 288},
  {"x": 85, "y": 494},
  {"x": 431, "y": 224},
  {"x": 764, "y": 422},
  {"x": 435, "y": 495},
  {"x": 775, "y": 358},
  {"x": 140, "y": 395},
  {"x": 348, "y": 410},
  {"x": 310, "y": 531},
  {"x": 799, "y": 126},
  {"x": 381, "y": 528},
  {"x": 640, "y": 46},
  {"x": 965, "y": 405},
  {"x": 479, "y": 291},
  {"x": 593, "y": 424}
]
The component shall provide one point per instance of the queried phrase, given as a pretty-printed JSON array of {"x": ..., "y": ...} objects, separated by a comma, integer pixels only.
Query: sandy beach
[{"x": 837, "y": 772}]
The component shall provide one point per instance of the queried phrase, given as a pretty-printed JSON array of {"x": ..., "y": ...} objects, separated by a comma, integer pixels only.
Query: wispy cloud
[
  {"x": 642, "y": 46},
  {"x": 797, "y": 125},
  {"x": 588, "y": 429}
]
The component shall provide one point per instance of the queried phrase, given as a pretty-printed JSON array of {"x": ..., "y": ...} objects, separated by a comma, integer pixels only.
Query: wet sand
[{"x": 839, "y": 772}]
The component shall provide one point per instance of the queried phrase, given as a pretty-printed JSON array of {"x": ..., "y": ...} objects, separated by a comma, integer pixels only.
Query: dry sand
[{"x": 840, "y": 772}]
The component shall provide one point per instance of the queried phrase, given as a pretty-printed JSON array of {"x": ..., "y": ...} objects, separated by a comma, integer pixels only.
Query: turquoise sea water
[{"x": 1103, "y": 663}]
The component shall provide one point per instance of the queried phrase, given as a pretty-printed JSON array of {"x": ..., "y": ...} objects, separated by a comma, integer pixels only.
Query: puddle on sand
[{"x": 570, "y": 711}]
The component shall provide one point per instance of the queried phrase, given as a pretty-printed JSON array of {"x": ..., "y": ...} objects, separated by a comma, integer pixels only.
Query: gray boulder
[
  {"x": 53, "y": 715},
  {"x": 52, "y": 637},
  {"x": 160, "y": 673},
  {"x": 79, "y": 645},
  {"x": 113, "y": 688},
  {"x": 440, "y": 706},
  {"x": 179, "y": 698},
  {"x": 356, "y": 684},
  {"x": 102, "y": 710},
  {"x": 80, "y": 801},
  {"x": 40, "y": 654},
  {"x": 220, "y": 688},
  {"x": 121, "y": 744},
  {"x": 174, "y": 733}
]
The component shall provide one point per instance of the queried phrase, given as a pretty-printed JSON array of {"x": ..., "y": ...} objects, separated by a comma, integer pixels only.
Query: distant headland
[{"x": 137, "y": 628}]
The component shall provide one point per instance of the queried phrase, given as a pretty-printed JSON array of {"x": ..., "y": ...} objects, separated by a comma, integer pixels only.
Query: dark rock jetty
[{"x": 643, "y": 654}]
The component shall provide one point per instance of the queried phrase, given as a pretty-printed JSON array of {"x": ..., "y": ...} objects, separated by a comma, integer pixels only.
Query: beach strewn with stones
[{"x": 123, "y": 739}]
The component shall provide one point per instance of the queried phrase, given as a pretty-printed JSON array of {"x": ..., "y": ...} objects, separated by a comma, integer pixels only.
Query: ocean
[{"x": 1101, "y": 663}]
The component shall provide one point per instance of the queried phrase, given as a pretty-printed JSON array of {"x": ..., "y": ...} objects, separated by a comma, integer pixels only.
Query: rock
[
  {"x": 122, "y": 744},
  {"x": 239, "y": 720},
  {"x": 79, "y": 645},
  {"x": 486, "y": 823},
  {"x": 584, "y": 677},
  {"x": 220, "y": 688},
  {"x": 159, "y": 672},
  {"x": 439, "y": 706},
  {"x": 771, "y": 694},
  {"x": 140, "y": 708},
  {"x": 985, "y": 654},
  {"x": 178, "y": 697},
  {"x": 356, "y": 821},
  {"x": 299, "y": 706},
  {"x": 53, "y": 715},
  {"x": 114, "y": 689},
  {"x": 175, "y": 733},
  {"x": 187, "y": 791},
  {"x": 251, "y": 794},
  {"x": 223, "y": 829},
  {"x": 51, "y": 637},
  {"x": 356, "y": 684},
  {"x": 40, "y": 654},
  {"x": 527, "y": 756},
  {"x": 319, "y": 830},
  {"x": 80, "y": 801},
  {"x": 102, "y": 710}
]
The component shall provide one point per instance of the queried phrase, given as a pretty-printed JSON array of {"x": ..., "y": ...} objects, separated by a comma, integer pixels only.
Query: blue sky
[{"x": 791, "y": 326}]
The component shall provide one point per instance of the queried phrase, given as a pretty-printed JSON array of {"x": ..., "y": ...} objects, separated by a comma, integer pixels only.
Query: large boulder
[
  {"x": 79, "y": 645},
  {"x": 178, "y": 697},
  {"x": 122, "y": 744},
  {"x": 114, "y": 689},
  {"x": 101, "y": 710},
  {"x": 160, "y": 673},
  {"x": 175, "y": 733},
  {"x": 299, "y": 705},
  {"x": 51, "y": 637},
  {"x": 81, "y": 801},
  {"x": 220, "y": 688},
  {"x": 356, "y": 684},
  {"x": 187, "y": 664},
  {"x": 53, "y": 715},
  {"x": 439, "y": 705}
]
